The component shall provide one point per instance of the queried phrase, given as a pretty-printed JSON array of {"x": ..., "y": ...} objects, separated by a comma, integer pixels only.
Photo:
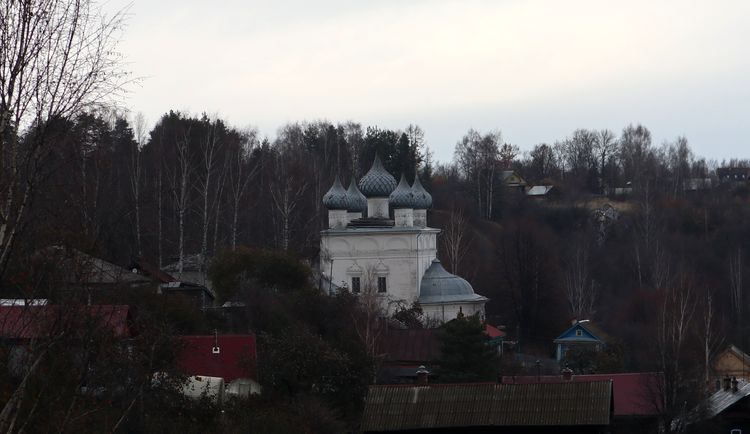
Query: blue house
[{"x": 581, "y": 335}]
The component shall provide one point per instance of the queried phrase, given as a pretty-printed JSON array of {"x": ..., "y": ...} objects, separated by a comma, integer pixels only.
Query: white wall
[{"x": 400, "y": 254}]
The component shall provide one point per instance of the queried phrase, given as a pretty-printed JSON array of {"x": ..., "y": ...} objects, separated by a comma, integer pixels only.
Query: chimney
[
  {"x": 734, "y": 384},
  {"x": 422, "y": 374},
  {"x": 567, "y": 374},
  {"x": 727, "y": 383}
]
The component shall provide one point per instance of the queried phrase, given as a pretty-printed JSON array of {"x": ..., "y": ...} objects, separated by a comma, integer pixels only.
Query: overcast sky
[{"x": 535, "y": 69}]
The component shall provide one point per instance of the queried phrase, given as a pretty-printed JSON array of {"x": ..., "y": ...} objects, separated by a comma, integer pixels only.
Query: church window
[
  {"x": 355, "y": 285},
  {"x": 381, "y": 284}
]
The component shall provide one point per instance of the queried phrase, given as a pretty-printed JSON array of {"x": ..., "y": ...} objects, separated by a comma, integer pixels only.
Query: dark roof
[
  {"x": 236, "y": 356},
  {"x": 410, "y": 345},
  {"x": 394, "y": 408},
  {"x": 151, "y": 271},
  {"x": 635, "y": 393},
  {"x": 440, "y": 286},
  {"x": 402, "y": 196},
  {"x": 77, "y": 267},
  {"x": 422, "y": 199},
  {"x": 336, "y": 197},
  {"x": 28, "y": 322},
  {"x": 587, "y": 325},
  {"x": 377, "y": 182},
  {"x": 357, "y": 202}
]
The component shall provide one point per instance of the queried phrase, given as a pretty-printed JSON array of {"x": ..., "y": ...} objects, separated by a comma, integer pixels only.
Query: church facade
[{"x": 378, "y": 245}]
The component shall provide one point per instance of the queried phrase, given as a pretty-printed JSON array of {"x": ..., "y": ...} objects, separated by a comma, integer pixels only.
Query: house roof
[
  {"x": 539, "y": 190},
  {"x": 635, "y": 393},
  {"x": 236, "y": 356},
  {"x": 440, "y": 286},
  {"x": 152, "y": 271},
  {"x": 493, "y": 332},
  {"x": 81, "y": 268},
  {"x": 28, "y": 322},
  {"x": 738, "y": 353},
  {"x": 410, "y": 345},
  {"x": 394, "y": 408},
  {"x": 723, "y": 399},
  {"x": 592, "y": 333}
]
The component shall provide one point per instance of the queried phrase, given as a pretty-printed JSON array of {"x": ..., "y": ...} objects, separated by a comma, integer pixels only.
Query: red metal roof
[
  {"x": 236, "y": 356},
  {"x": 27, "y": 322},
  {"x": 635, "y": 393},
  {"x": 493, "y": 332}
]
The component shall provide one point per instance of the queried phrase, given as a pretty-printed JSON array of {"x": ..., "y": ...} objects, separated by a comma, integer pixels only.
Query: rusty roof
[
  {"x": 410, "y": 345},
  {"x": 396, "y": 408}
]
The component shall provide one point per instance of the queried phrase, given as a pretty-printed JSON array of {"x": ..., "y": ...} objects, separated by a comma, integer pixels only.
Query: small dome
[
  {"x": 356, "y": 200},
  {"x": 422, "y": 199},
  {"x": 377, "y": 182},
  {"x": 402, "y": 196},
  {"x": 440, "y": 286},
  {"x": 336, "y": 197}
]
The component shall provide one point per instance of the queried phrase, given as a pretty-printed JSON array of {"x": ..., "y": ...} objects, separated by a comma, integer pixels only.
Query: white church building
[{"x": 378, "y": 244}]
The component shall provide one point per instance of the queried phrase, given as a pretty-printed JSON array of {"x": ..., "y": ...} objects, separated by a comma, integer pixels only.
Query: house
[
  {"x": 725, "y": 411},
  {"x": 697, "y": 184},
  {"x": 391, "y": 259},
  {"x": 231, "y": 358},
  {"x": 733, "y": 174},
  {"x": 194, "y": 270},
  {"x": 198, "y": 295},
  {"x": 572, "y": 407},
  {"x": 540, "y": 192},
  {"x": 511, "y": 179},
  {"x": 403, "y": 351},
  {"x": 731, "y": 362},
  {"x": 637, "y": 396},
  {"x": 582, "y": 335},
  {"x": 21, "y": 323}
]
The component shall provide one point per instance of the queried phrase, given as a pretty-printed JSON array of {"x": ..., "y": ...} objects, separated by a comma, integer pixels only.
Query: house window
[
  {"x": 381, "y": 284},
  {"x": 579, "y": 332},
  {"x": 355, "y": 285}
]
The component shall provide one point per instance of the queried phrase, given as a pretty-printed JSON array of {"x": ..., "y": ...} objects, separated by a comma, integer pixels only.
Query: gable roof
[
  {"x": 592, "y": 333},
  {"x": 409, "y": 345},
  {"x": 394, "y": 408},
  {"x": 28, "y": 322},
  {"x": 236, "y": 356},
  {"x": 636, "y": 394},
  {"x": 539, "y": 190},
  {"x": 78, "y": 267}
]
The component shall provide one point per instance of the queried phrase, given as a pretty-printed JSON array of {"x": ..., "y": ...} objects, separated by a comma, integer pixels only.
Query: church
[{"x": 378, "y": 245}]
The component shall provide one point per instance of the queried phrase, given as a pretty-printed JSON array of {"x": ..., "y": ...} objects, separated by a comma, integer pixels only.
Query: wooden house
[{"x": 582, "y": 334}]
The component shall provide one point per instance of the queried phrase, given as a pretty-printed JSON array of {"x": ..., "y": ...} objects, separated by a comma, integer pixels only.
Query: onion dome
[
  {"x": 356, "y": 200},
  {"x": 440, "y": 286},
  {"x": 422, "y": 199},
  {"x": 402, "y": 196},
  {"x": 377, "y": 182},
  {"x": 336, "y": 197}
]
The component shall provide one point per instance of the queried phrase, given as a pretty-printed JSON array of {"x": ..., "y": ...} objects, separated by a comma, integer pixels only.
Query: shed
[{"x": 518, "y": 408}]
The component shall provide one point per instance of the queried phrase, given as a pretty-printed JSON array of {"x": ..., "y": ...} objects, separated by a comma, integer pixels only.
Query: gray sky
[{"x": 535, "y": 69}]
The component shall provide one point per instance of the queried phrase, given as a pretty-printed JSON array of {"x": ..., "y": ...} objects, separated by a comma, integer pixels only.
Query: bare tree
[
  {"x": 57, "y": 57},
  {"x": 180, "y": 190},
  {"x": 210, "y": 147},
  {"x": 240, "y": 175},
  {"x": 136, "y": 173},
  {"x": 711, "y": 340},
  {"x": 456, "y": 239},
  {"x": 580, "y": 288},
  {"x": 735, "y": 282},
  {"x": 605, "y": 148},
  {"x": 285, "y": 196}
]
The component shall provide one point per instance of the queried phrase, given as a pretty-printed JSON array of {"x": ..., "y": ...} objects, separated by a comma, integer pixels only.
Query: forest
[{"x": 659, "y": 266}]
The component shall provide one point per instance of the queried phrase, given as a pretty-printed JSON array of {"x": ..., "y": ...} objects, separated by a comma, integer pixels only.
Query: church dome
[
  {"x": 440, "y": 286},
  {"x": 356, "y": 200},
  {"x": 422, "y": 199},
  {"x": 402, "y": 196},
  {"x": 377, "y": 182},
  {"x": 336, "y": 197}
]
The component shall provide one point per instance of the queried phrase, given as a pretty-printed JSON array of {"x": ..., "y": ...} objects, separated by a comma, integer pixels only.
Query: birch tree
[
  {"x": 57, "y": 58},
  {"x": 136, "y": 174},
  {"x": 455, "y": 239}
]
